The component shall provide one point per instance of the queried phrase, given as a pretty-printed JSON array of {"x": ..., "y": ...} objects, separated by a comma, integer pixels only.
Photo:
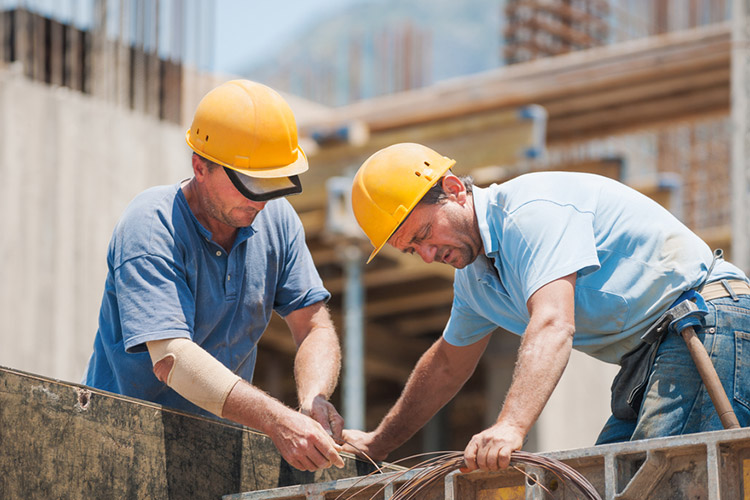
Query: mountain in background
[{"x": 386, "y": 46}]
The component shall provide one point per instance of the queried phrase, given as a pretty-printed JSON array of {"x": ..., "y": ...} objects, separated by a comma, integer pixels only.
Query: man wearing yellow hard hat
[
  {"x": 565, "y": 260},
  {"x": 196, "y": 270}
]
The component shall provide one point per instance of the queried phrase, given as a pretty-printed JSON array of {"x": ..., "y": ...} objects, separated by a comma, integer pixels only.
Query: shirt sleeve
[
  {"x": 299, "y": 282},
  {"x": 154, "y": 301},
  {"x": 465, "y": 326},
  {"x": 546, "y": 241}
]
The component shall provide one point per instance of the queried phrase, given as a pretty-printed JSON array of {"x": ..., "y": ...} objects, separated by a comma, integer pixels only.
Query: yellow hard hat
[
  {"x": 249, "y": 129},
  {"x": 388, "y": 186}
]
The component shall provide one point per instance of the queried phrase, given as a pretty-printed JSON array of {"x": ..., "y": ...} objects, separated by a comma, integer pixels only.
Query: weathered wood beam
[
  {"x": 586, "y": 72},
  {"x": 633, "y": 116},
  {"x": 416, "y": 326},
  {"x": 414, "y": 302},
  {"x": 381, "y": 361},
  {"x": 392, "y": 276},
  {"x": 65, "y": 440},
  {"x": 643, "y": 89}
]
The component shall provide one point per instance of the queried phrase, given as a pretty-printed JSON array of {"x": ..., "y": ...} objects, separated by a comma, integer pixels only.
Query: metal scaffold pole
[
  {"x": 740, "y": 171},
  {"x": 342, "y": 227},
  {"x": 354, "y": 350}
]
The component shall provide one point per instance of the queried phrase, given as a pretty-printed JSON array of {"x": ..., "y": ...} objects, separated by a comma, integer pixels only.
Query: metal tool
[{"x": 686, "y": 314}]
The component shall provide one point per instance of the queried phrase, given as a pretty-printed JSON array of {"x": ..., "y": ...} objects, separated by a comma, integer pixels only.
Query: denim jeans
[{"x": 676, "y": 401}]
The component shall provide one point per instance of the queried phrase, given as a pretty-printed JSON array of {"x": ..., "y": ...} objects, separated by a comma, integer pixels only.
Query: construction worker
[
  {"x": 196, "y": 269},
  {"x": 566, "y": 260}
]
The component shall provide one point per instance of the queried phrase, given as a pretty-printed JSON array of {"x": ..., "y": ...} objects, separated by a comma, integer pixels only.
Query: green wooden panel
[{"x": 67, "y": 441}]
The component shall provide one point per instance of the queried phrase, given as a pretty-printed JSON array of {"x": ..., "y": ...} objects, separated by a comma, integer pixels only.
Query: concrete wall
[{"x": 69, "y": 164}]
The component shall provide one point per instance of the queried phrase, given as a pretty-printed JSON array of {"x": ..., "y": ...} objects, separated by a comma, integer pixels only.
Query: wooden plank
[
  {"x": 637, "y": 115},
  {"x": 381, "y": 361},
  {"x": 63, "y": 440},
  {"x": 645, "y": 89},
  {"x": 580, "y": 73},
  {"x": 392, "y": 306},
  {"x": 392, "y": 276}
]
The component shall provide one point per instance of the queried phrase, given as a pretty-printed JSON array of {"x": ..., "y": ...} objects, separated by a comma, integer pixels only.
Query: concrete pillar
[{"x": 740, "y": 138}]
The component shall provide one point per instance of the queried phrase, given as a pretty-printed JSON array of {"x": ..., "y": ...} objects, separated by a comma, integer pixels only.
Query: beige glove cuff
[{"x": 196, "y": 375}]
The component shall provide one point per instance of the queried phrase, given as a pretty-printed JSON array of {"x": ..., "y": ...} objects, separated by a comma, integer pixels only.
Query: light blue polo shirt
[
  {"x": 167, "y": 279},
  {"x": 632, "y": 259}
]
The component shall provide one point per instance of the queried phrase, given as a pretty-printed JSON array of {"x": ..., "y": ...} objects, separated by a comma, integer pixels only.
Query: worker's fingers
[
  {"x": 488, "y": 450},
  {"x": 334, "y": 458},
  {"x": 483, "y": 459},
  {"x": 326, "y": 415},
  {"x": 304, "y": 443},
  {"x": 327, "y": 449},
  {"x": 503, "y": 457},
  {"x": 336, "y": 422},
  {"x": 305, "y": 463},
  {"x": 470, "y": 456},
  {"x": 310, "y": 458}
]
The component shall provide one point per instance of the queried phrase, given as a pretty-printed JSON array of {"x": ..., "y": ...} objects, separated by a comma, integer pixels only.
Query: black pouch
[{"x": 629, "y": 385}]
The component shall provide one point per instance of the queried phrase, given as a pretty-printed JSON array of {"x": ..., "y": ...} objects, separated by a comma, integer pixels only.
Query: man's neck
[{"x": 223, "y": 234}]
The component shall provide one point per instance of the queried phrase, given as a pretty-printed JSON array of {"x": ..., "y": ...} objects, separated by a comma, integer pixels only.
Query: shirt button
[
  {"x": 218, "y": 253},
  {"x": 229, "y": 277}
]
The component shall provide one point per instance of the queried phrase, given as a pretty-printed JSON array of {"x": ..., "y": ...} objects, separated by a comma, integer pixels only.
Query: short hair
[
  {"x": 208, "y": 163},
  {"x": 436, "y": 194}
]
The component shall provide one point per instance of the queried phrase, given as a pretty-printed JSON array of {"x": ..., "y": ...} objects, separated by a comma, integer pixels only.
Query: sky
[{"x": 246, "y": 29}]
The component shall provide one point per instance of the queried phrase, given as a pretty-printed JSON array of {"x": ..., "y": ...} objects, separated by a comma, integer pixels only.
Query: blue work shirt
[
  {"x": 632, "y": 259},
  {"x": 168, "y": 279}
]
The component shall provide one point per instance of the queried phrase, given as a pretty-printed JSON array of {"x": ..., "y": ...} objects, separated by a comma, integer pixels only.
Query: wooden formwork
[
  {"x": 64, "y": 440},
  {"x": 709, "y": 466}
]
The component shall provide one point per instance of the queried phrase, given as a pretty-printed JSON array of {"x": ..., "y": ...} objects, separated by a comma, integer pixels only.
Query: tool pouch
[{"x": 630, "y": 383}]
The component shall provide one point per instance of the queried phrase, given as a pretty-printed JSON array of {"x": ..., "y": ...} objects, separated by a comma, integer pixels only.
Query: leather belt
[{"x": 725, "y": 288}]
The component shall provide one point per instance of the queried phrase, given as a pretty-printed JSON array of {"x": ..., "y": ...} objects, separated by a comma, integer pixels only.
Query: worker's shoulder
[
  {"x": 160, "y": 203},
  {"x": 557, "y": 179},
  {"x": 553, "y": 186},
  {"x": 152, "y": 200}
]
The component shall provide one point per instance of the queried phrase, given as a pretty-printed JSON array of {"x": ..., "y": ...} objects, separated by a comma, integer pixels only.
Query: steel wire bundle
[{"x": 435, "y": 469}]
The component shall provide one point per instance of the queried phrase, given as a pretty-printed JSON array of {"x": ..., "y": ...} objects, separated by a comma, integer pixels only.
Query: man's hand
[
  {"x": 326, "y": 415},
  {"x": 304, "y": 443},
  {"x": 361, "y": 443},
  {"x": 491, "y": 448}
]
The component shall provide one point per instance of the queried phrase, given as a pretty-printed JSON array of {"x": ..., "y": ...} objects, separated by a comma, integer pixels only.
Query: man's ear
[
  {"x": 454, "y": 187},
  {"x": 199, "y": 167}
]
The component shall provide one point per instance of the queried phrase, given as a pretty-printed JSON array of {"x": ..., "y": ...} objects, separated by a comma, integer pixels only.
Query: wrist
[{"x": 307, "y": 402}]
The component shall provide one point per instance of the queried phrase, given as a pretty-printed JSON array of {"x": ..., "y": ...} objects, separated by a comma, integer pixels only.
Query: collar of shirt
[
  {"x": 491, "y": 258},
  {"x": 481, "y": 197}
]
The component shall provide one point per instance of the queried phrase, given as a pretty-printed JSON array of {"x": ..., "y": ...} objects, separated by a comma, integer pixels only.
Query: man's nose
[{"x": 427, "y": 252}]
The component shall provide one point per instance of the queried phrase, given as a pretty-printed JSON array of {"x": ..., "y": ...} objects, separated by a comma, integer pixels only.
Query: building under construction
[{"x": 653, "y": 94}]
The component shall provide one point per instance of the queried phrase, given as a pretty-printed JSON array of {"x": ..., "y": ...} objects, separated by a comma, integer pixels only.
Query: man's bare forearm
[
  {"x": 317, "y": 365},
  {"x": 437, "y": 377}
]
